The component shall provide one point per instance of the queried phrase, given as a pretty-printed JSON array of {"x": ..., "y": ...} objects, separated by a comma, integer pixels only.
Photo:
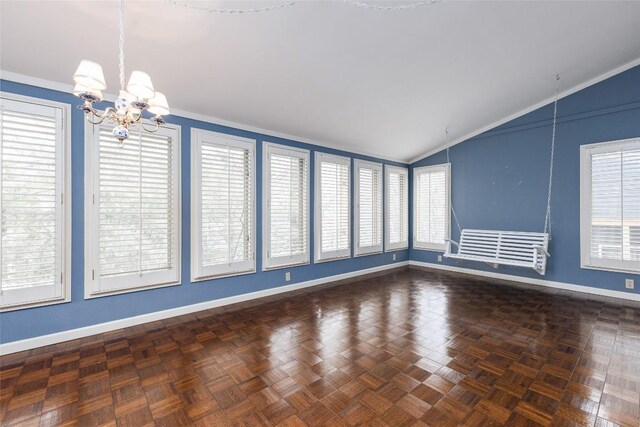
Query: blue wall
[
  {"x": 499, "y": 178},
  {"x": 27, "y": 323},
  {"x": 499, "y": 181}
]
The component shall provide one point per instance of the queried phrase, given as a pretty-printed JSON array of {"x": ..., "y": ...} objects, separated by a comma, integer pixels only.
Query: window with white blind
[
  {"x": 332, "y": 207},
  {"x": 222, "y": 204},
  {"x": 286, "y": 206},
  {"x": 431, "y": 199},
  {"x": 367, "y": 207},
  {"x": 396, "y": 229},
  {"x": 132, "y": 214},
  {"x": 34, "y": 202},
  {"x": 610, "y": 205}
]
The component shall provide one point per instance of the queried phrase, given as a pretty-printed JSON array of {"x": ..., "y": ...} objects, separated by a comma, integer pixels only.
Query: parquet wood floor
[{"x": 407, "y": 348}]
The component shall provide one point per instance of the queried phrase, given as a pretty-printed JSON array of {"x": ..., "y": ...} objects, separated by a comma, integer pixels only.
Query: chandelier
[{"x": 128, "y": 109}]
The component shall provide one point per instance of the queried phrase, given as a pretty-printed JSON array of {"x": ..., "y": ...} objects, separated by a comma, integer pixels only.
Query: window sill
[
  {"x": 320, "y": 261},
  {"x": 429, "y": 249},
  {"x": 35, "y": 304},
  {"x": 280, "y": 267},
  {"x": 222, "y": 275},
  {"x": 610, "y": 269},
  {"x": 367, "y": 254},
  {"x": 397, "y": 249},
  {"x": 128, "y": 291}
]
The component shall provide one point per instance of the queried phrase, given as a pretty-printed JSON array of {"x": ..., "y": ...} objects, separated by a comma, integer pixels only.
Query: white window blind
[
  {"x": 431, "y": 200},
  {"x": 368, "y": 207},
  {"x": 611, "y": 205},
  {"x": 34, "y": 224},
  {"x": 286, "y": 211},
  {"x": 332, "y": 204},
  {"x": 396, "y": 208},
  {"x": 134, "y": 207},
  {"x": 222, "y": 197}
]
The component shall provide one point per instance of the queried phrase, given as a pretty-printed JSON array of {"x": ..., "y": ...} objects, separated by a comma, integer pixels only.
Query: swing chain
[{"x": 547, "y": 219}]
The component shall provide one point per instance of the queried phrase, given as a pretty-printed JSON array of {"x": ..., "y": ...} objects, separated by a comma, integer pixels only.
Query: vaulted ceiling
[{"x": 381, "y": 83}]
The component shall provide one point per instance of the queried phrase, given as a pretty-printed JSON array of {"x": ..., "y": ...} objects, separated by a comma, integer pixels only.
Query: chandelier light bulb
[
  {"x": 89, "y": 74},
  {"x": 158, "y": 105},
  {"x": 140, "y": 85}
]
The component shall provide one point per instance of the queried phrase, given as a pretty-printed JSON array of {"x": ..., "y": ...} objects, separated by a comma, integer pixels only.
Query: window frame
[
  {"x": 269, "y": 263},
  {"x": 391, "y": 247},
  {"x": 320, "y": 256},
  {"x": 154, "y": 280},
  {"x": 199, "y": 273},
  {"x": 429, "y": 246},
  {"x": 373, "y": 249},
  {"x": 586, "y": 152},
  {"x": 63, "y": 291}
]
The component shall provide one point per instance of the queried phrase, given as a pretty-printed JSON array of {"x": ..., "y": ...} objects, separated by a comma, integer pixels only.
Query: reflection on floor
[{"x": 407, "y": 348}]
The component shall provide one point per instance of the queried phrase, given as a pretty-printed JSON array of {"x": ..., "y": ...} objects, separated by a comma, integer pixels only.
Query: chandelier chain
[
  {"x": 357, "y": 3},
  {"x": 121, "y": 45}
]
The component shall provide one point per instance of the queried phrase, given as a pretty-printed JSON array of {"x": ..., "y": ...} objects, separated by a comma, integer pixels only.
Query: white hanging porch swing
[{"x": 511, "y": 248}]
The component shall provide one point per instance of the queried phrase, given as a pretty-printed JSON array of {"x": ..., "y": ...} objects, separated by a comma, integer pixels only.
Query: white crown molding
[
  {"x": 530, "y": 281},
  {"x": 58, "y": 337},
  {"x": 67, "y": 88},
  {"x": 529, "y": 109}
]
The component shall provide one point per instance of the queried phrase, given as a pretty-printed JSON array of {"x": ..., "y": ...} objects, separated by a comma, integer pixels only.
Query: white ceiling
[{"x": 383, "y": 83}]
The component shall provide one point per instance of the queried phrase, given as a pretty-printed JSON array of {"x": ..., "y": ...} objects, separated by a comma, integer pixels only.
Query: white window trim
[
  {"x": 65, "y": 290},
  {"x": 390, "y": 247},
  {"x": 320, "y": 256},
  {"x": 586, "y": 261},
  {"x": 90, "y": 226},
  {"x": 373, "y": 249},
  {"x": 199, "y": 273},
  {"x": 428, "y": 246},
  {"x": 277, "y": 263}
]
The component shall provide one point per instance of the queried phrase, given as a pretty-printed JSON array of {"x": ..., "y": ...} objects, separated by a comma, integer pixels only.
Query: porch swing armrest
[
  {"x": 448, "y": 249},
  {"x": 449, "y": 241},
  {"x": 542, "y": 250}
]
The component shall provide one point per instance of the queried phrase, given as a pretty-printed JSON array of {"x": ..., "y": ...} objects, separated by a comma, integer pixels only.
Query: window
[
  {"x": 222, "y": 204},
  {"x": 610, "y": 205},
  {"x": 286, "y": 212},
  {"x": 332, "y": 204},
  {"x": 431, "y": 198},
  {"x": 396, "y": 208},
  {"x": 132, "y": 215},
  {"x": 368, "y": 207},
  {"x": 34, "y": 201}
]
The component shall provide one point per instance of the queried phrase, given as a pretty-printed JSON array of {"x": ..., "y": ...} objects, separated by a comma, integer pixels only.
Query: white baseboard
[
  {"x": 58, "y": 337},
  {"x": 531, "y": 281}
]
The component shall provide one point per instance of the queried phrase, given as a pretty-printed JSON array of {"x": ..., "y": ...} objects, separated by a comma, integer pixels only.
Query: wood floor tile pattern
[{"x": 408, "y": 348}]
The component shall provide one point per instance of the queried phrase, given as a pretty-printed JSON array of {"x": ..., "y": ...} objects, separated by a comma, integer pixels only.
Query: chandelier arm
[
  {"x": 101, "y": 117},
  {"x": 135, "y": 118},
  {"x": 152, "y": 130}
]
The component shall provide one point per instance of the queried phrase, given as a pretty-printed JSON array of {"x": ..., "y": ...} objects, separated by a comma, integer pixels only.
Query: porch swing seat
[{"x": 512, "y": 248}]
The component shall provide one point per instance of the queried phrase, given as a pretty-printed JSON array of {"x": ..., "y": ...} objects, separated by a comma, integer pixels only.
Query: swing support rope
[
  {"x": 453, "y": 211},
  {"x": 547, "y": 218}
]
